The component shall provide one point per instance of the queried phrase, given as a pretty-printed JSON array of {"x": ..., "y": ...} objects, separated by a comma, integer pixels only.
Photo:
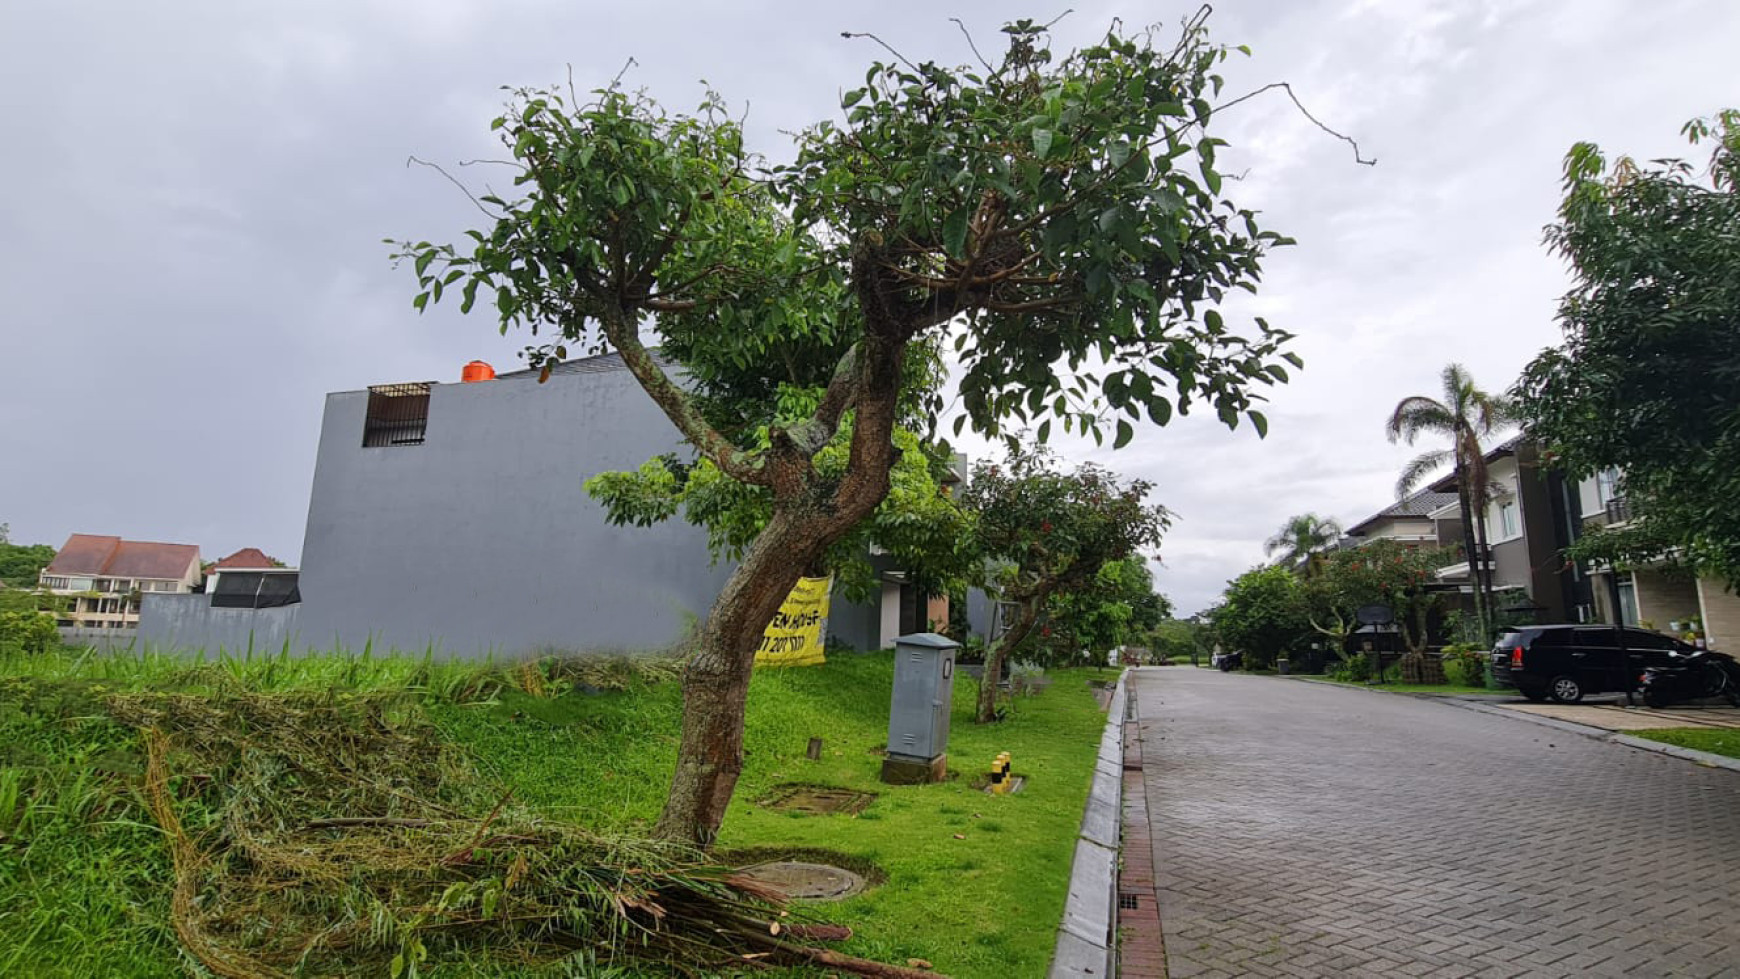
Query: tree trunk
[
  {"x": 716, "y": 678},
  {"x": 1469, "y": 549},
  {"x": 1485, "y": 579},
  {"x": 1013, "y": 636},
  {"x": 716, "y": 685}
]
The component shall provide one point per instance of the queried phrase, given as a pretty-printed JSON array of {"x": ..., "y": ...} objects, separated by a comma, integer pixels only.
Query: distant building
[
  {"x": 454, "y": 517},
  {"x": 103, "y": 578},
  {"x": 246, "y": 559}
]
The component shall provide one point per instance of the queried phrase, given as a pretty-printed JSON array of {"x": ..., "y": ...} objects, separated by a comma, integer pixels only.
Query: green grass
[
  {"x": 1720, "y": 741},
  {"x": 84, "y": 875}
]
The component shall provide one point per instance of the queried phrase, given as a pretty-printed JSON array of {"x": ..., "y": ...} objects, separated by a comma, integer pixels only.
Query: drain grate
[{"x": 1128, "y": 902}]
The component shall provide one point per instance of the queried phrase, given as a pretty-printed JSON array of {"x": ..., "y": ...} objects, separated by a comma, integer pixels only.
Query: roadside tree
[
  {"x": 1465, "y": 415},
  {"x": 1645, "y": 381},
  {"x": 1119, "y": 607},
  {"x": 1262, "y": 614},
  {"x": 1045, "y": 535},
  {"x": 1063, "y": 212},
  {"x": 1302, "y": 540},
  {"x": 1385, "y": 573}
]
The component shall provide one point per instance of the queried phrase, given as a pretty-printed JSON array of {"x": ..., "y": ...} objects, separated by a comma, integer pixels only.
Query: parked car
[{"x": 1567, "y": 662}]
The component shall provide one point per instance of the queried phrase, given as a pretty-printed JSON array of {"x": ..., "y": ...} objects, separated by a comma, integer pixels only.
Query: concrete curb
[
  {"x": 1689, "y": 754},
  {"x": 1569, "y": 727},
  {"x": 1086, "y": 938},
  {"x": 1706, "y": 758}
]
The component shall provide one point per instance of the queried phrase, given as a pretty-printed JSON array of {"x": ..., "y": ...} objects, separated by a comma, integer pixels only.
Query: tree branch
[
  {"x": 620, "y": 329},
  {"x": 1357, "y": 158},
  {"x": 818, "y": 430}
]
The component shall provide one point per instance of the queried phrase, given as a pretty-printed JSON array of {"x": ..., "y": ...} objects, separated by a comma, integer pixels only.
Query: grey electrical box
[{"x": 918, "y": 722}]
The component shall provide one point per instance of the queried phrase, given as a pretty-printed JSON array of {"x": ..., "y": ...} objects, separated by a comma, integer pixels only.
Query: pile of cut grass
[{"x": 86, "y": 875}]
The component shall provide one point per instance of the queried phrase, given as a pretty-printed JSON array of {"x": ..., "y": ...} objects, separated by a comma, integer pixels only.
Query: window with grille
[{"x": 398, "y": 414}]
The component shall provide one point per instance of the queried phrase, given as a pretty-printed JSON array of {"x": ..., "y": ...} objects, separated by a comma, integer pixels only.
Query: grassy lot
[
  {"x": 1716, "y": 741},
  {"x": 974, "y": 883}
]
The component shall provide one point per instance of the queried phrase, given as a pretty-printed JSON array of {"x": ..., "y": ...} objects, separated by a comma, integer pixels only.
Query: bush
[
  {"x": 1465, "y": 665},
  {"x": 1352, "y": 668},
  {"x": 30, "y": 632}
]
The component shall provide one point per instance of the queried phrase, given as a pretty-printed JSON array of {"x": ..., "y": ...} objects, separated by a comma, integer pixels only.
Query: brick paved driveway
[{"x": 1301, "y": 829}]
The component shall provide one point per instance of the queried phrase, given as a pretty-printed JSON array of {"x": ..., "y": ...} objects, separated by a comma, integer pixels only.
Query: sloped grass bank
[{"x": 973, "y": 883}]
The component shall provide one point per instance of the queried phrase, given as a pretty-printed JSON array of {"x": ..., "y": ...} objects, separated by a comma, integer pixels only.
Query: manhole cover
[
  {"x": 816, "y": 800},
  {"x": 802, "y": 881}
]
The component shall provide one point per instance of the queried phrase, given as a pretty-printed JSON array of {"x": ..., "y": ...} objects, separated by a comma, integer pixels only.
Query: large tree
[
  {"x": 1302, "y": 538},
  {"x": 1384, "y": 572},
  {"x": 1465, "y": 415},
  {"x": 1045, "y": 534},
  {"x": 1645, "y": 382},
  {"x": 1263, "y": 614},
  {"x": 1064, "y": 212}
]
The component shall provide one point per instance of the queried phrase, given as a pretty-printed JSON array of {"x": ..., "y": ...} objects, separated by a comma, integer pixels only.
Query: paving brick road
[{"x": 1301, "y": 829}]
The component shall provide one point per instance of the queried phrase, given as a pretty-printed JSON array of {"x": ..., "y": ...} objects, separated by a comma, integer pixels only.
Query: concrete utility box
[{"x": 918, "y": 722}]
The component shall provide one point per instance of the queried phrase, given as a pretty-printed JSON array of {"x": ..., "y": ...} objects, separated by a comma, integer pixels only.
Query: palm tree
[
  {"x": 1464, "y": 416},
  {"x": 1303, "y": 537}
]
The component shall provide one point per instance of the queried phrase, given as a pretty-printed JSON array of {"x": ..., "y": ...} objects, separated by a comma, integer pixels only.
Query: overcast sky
[{"x": 195, "y": 196}]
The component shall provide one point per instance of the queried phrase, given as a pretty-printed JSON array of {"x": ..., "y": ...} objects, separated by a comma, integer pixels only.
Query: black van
[{"x": 1565, "y": 662}]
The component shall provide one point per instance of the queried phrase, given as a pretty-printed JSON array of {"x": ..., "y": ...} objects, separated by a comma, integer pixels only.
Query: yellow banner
[{"x": 797, "y": 632}]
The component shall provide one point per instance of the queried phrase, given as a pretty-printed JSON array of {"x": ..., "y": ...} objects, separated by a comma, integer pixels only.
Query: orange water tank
[{"x": 476, "y": 371}]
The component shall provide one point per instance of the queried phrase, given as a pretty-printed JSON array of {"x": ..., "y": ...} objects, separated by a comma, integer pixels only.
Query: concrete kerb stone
[
  {"x": 1569, "y": 727},
  {"x": 1690, "y": 754},
  {"x": 1708, "y": 758},
  {"x": 1086, "y": 937}
]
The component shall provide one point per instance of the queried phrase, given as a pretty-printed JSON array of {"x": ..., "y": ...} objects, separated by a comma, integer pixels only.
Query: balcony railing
[
  {"x": 1618, "y": 511},
  {"x": 1457, "y": 558}
]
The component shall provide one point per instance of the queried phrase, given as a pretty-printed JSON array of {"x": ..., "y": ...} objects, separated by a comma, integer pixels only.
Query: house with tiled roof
[{"x": 103, "y": 577}]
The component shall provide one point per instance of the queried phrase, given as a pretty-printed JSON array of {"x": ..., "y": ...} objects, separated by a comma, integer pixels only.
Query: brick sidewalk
[{"x": 1302, "y": 830}]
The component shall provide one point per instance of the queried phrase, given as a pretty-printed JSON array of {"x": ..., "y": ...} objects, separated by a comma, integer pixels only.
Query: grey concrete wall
[
  {"x": 854, "y": 623},
  {"x": 188, "y": 622},
  {"x": 106, "y": 640},
  {"x": 483, "y": 539}
]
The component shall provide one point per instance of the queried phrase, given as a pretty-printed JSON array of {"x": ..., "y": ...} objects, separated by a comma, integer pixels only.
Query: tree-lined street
[{"x": 1302, "y": 829}]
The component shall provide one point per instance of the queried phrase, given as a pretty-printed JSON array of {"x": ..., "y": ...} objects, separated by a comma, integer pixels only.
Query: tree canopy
[
  {"x": 1646, "y": 379},
  {"x": 1466, "y": 416},
  {"x": 1302, "y": 537},
  {"x": 1064, "y": 211},
  {"x": 1046, "y": 534},
  {"x": 1262, "y": 613}
]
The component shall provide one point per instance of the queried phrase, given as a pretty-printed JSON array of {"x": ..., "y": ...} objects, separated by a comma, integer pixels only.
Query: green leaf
[
  {"x": 1125, "y": 434},
  {"x": 421, "y": 301},
  {"x": 1212, "y": 178},
  {"x": 955, "y": 232},
  {"x": 1259, "y": 422},
  {"x": 852, "y": 98},
  {"x": 1041, "y": 142},
  {"x": 423, "y": 261},
  {"x": 1044, "y": 430}
]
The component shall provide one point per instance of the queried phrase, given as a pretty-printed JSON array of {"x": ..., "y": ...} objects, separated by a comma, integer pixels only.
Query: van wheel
[
  {"x": 1535, "y": 696},
  {"x": 1566, "y": 689}
]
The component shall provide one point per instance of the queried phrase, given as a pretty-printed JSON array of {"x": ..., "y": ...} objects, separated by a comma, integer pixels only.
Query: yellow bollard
[{"x": 997, "y": 775}]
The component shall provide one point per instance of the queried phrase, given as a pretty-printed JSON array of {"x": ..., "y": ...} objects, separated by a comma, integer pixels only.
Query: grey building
[{"x": 454, "y": 518}]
